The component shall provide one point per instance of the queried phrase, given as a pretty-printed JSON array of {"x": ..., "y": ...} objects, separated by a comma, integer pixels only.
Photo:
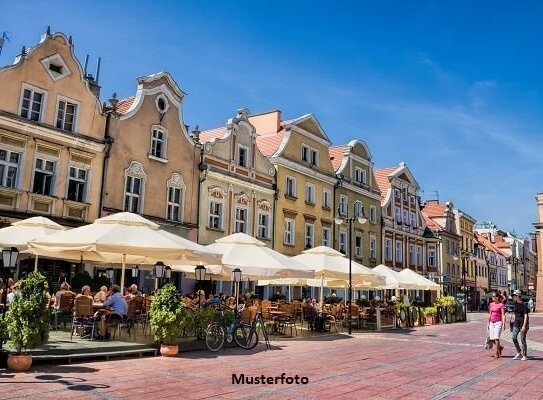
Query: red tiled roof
[
  {"x": 488, "y": 244},
  {"x": 336, "y": 156},
  {"x": 268, "y": 144},
  {"x": 381, "y": 178},
  {"x": 125, "y": 104},
  {"x": 210, "y": 134},
  {"x": 434, "y": 209},
  {"x": 431, "y": 223}
]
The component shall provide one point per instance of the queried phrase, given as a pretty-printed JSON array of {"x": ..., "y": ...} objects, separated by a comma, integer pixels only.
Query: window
[
  {"x": 343, "y": 204},
  {"x": 263, "y": 225},
  {"x": 419, "y": 255},
  {"x": 373, "y": 214},
  {"x": 44, "y": 173},
  {"x": 398, "y": 215},
  {"x": 158, "y": 144},
  {"x": 360, "y": 175},
  {"x": 243, "y": 156},
  {"x": 343, "y": 241},
  {"x": 397, "y": 193},
  {"x": 411, "y": 254},
  {"x": 132, "y": 194},
  {"x": 305, "y": 153},
  {"x": 9, "y": 168},
  {"x": 241, "y": 220},
  {"x": 406, "y": 217},
  {"x": 289, "y": 232},
  {"x": 215, "y": 215},
  {"x": 388, "y": 249},
  {"x": 309, "y": 155},
  {"x": 175, "y": 197},
  {"x": 373, "y": 247},
  {"x": 291, "y": 187},
  {"x": 447, "y": 246},
  {"x": 310, "y": 193},
  {"x": 326, "y": 237},
  {"x": 32, "y": 104},
  {"x": 66, "y": 113},
  {"x": 358, "y": 209},
  {"x": 77, "y": 184},
  {"x": 326, "y": 198},
  {"x": 309, "y": 236},
  {"x": 413, "y": 220},
  {"x": 399, "y": 251},
  {"x": 404, "y": 195},
  {"x": 358, "y": 244}
]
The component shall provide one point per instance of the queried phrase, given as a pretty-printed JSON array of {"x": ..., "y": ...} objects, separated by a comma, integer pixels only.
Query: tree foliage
[{"x": 169, "y": 316}]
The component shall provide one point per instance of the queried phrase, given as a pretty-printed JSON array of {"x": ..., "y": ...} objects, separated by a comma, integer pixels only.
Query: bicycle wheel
[
  {"x": 246, "y": 336},
  {"x": 215, "y": 334}
]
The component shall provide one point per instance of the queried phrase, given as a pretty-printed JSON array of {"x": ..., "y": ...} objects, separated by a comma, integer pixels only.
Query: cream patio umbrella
[
  {"x": 121, "y": 238},
  {"x": 330, "y": 264},
  {"x": 20, "y": 233},
  {"x": 393, "y": 279},
  {"x": 256, "y": 260},
  {"x": 419, "y": 282}
]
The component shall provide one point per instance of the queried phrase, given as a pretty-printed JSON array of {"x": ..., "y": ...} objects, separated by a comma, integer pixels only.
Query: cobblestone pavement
[{"x": 435, "y": 362}]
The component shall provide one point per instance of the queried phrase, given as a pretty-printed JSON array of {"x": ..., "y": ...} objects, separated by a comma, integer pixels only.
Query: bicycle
[{"x": 219, "y": 332}]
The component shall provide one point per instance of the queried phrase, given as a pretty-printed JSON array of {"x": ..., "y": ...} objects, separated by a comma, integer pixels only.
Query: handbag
[{"x": 488, "y": 343}]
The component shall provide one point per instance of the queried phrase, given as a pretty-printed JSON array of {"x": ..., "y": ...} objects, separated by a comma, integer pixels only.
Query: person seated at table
[
  {"x": 222, "y": 297},
  {"x": 115, "y": 308},
  {"x": 85, "y": 292},
  {"x": 200, "y": 298},
  {"x": 231, "y": 302},
  {"x": 316, "y": 316},
  {"x": 214, "y": 300},
  {"x": 10, "y": 284},
  {"x": 101, "y": 296},
  {"x": 128, "y": 295},
  {"x": 134, "y": 290},
  {"x": 11, "y": 295},
  {"x": 64, "y": 288}
]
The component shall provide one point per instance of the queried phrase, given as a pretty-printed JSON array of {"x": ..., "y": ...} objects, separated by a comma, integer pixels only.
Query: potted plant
[
  {"x": 169, "y": 317},
  {"x": 430, "y": 315},
  {"x": 28, "y": 320}
]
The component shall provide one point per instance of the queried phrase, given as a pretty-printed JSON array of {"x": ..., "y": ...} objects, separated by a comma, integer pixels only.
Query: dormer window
[
  {"x": 360, "y": 176},
  {"x": 161, "y": 103},
  {"x": 55, "y": 67},
  {"x": 159, "y": 140},
  {"x": 32, "y": 103},
  {"x": 243, "y": 156},
  {"x": 66, "y": 115},
  {"x": 309, "y": 155}
]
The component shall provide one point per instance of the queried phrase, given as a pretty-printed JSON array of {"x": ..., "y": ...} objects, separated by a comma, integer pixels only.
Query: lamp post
[
  {"x": 9, "y": 257},
  {"x": 159, "y": 271},
  {"x": 236, "y": 277},
  {"x": 135, "y": 273},
  {"x": 168, "y": 273},
  {"x": 465, "y": 256},
  {"x": 341, "y": 217},
  {"x": 200, "y": 273},
  {"x": 109, "y": 275}
]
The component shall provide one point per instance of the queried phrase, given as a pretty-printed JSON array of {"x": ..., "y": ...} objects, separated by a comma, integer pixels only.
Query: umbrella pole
[
  {"x": 322, "y": 290},
  {"x": 123, "y": 268},
  {"x": 36, "y": 263}
]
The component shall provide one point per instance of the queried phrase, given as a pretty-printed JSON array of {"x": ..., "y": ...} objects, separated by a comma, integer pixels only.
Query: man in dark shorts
[{"x": 520, "y": 324}]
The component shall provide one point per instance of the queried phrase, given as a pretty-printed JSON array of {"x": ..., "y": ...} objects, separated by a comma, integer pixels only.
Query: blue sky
[{"x": 454, "y": 89}]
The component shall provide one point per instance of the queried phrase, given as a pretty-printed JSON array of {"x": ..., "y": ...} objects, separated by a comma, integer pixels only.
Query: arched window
[
  {"x": 176, "y": 197},
  {"x": 134, "y": 187}
]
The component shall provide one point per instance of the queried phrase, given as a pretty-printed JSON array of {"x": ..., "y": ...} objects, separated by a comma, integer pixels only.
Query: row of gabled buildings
[{"x": 65, "y": 154}]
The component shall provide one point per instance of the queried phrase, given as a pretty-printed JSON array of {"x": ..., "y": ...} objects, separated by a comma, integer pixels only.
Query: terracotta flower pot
[
  {"x": 19, "y": 363},
  {"x": 169, "y": 351}
]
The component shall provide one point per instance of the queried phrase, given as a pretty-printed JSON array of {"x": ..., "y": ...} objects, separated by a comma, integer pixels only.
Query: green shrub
[
  {"x": 204, "y": 316},
  {"x": 98, "y": 281},
  {"x": 28, "y": 318},
  {"x": 81, "y": 279},
  {"x": 332, "y": 299},
  {"x": 278, "y": 297},
  {"x": 430, "y": 311},
  {"x": 169, "y": 316}
]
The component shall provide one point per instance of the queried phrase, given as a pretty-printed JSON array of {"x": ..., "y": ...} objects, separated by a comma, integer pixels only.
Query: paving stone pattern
[{"x": 437, "y": 362}]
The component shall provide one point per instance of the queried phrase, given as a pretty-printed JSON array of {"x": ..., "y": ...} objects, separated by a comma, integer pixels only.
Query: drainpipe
[
  {"x": 109, "y": 109},
  {"x": 339, "y": 180},
  {"x": 202, "y": 168},
  {"x": 275, "y": 197}
]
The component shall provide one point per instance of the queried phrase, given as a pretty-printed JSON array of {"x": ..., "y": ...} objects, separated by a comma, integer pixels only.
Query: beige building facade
[
  {"x": 238, "y": 192},
  {"x": 356, "y": 194},
  {"x": 305, "y": 180},
  {"x": 51, "y": 136},
  {"x": 152, "y": 166}
]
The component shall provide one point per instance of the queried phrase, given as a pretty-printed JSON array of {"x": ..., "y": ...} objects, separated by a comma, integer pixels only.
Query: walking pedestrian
[
  {"x": 531, "y": 305},
  {"x": 496, "y": 321},
  {"x": 520, "y": 323}
]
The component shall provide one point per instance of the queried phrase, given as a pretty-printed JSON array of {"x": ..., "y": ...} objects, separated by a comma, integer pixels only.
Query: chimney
[
  {"x": 93, "y": 85},
  {"x": 269, "y": 122}
]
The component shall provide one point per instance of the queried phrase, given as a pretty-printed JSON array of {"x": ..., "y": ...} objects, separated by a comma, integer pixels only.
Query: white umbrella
[
  {"x": 393, "y": 279},
  {"x": 419, "y": 282},
  {"x": 21, "y": 232},
  {"x": 257, "y": 261},
  {"x": 122, "y": 236}
]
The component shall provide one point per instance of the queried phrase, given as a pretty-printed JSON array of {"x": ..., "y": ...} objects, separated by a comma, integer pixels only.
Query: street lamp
[
  {"x": 341, "y": 217},
  {"x": 109, "y": 275},
  {"x": 200, "y": 273},
  {"x": 465, "y": 256},
  {"x": 159, "y": 271},
  {"x": 236, "y": 277},
  {"x": 168, "y": 273},
  {"x": 9, "y": 257},
  {"x": 135, "y": 273}
]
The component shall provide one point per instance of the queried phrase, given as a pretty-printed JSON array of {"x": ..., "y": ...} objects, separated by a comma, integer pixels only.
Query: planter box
[{"x": 432, "y": 320}]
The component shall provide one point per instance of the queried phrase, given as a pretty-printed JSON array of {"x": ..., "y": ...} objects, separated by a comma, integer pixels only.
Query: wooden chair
[
  {"x": 127, "y": 322},
  {"x": 83, "y": 317},
  {"x": 288, "y": 320},
  {"x": 65, "y": 308},
  {"x": 146, "y": 312}
]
